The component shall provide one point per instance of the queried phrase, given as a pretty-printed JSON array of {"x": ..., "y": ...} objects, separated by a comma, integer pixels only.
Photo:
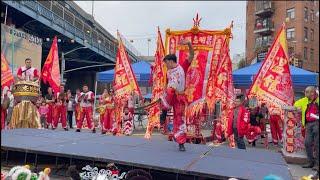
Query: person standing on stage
[
  {"x": 309, "y": 107},
  {"x": 108, "y": 115},
  {"x": 174, "y": 94},
  {"x": 127, "y": 121},
  {"x": 70, "y": 108},
  {"x": 49, "y": 98},
  {"x": 238, "y": 125},
  {"x": 77, "y": 105},
  {"x": 131, "y": 102},
  {"x": 86, "y": 103},
  {"x": 60, "y": 110},
  {"x": 275, "y": 126},
  {"x": 43, "y": 111},
  {"x": 10, "y": 105},
  {"x": 27, "y": 72},
  {"x": 102, "y": 112}
]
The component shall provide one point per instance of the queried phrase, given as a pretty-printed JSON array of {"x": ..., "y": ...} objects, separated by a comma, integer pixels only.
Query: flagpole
[{"x": 95, "y": 97}]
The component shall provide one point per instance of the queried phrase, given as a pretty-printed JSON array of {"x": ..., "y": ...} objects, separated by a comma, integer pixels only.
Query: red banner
[
  {"x": 158, "y": 86},
  {"x": 124, "y": 80},
  {"x": 6, "y": 74},
  {"x": 273, "y": 85},
  {"x": 50, "y": 71},
  {"x": 202, "y": 66},
  {"x": 223, "y": 86}
]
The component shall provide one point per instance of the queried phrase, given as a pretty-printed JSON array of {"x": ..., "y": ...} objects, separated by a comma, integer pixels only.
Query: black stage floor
[{"x": 198, "y": 161}]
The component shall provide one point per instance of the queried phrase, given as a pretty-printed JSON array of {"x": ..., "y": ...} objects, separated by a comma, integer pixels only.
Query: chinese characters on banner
[
  {"x": 293, "y": 144},
  {"x": 201, "y": 72},
  {"x": 124, "y": 81},
  {"x": 6, "y": 74},
  {"x": 273, "y": 84},
  {"x": 158, "y": 86}
]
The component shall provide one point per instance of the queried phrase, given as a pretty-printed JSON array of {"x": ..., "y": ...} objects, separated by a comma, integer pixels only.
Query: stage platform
[{"x": 159, "y": 157}]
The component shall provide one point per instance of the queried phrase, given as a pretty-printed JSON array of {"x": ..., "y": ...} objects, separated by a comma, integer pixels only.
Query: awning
[
  {"x": 140, "y": 69},
  {"x": 301, "y": 78}
]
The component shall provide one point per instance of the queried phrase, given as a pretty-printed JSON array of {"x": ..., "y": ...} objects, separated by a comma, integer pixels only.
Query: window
[
  {"x": 311, "y": 54},
  {"x": 306, "y": 14},
  {"x": 291, "y": 51},
  {"x": 312, "y": 34},
  {"x": 305, "y": 53},
  {"x": 312, "y": 15},
  {"x": 290, "y": 13},
  {"x": 258, "y": 42},
  {"x": 290, "y": 33},
  {"x": 305, "y": 34}
]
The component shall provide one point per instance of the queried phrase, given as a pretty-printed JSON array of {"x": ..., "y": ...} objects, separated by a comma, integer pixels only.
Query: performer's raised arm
[{"x": 191, "y": 50}]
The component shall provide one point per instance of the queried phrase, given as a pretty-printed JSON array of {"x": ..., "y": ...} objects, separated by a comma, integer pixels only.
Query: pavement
[{"x": 296, "y": 170}]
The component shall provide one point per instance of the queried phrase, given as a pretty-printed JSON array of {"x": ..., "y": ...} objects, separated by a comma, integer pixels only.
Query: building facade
[
  {"x": 265, "y": 18},
  {"x": 236, "y": 59}
]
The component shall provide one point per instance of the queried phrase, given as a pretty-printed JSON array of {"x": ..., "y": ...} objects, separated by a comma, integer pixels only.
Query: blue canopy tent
[
  {"x": 243, "y": 78},
  {"x": 140, "y": 69}
]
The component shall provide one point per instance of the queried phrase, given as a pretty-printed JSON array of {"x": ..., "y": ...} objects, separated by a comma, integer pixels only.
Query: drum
[
  {"x": 26, "y": 90},
  {"x": 100, "y": 109}
]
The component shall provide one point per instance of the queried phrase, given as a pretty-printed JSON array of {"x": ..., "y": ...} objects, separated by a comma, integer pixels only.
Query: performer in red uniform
[
  {"x": 127, "y": 121},
  {"x": 275, "y": 122},
  {"x": 239, "y": 123},
  {"x": 60, "y": 110},
  {"x": 86, "y": 104},
  {"x": 174, "y": 95},
  {"x": 49, "y": 98},
  {"x": 106, "y": 119},
  {"x": 27, "y": 73}
]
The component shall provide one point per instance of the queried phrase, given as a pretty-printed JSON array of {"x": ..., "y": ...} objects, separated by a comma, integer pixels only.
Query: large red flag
[
  {"x": 6, "y": 74},
  {"x": 273, "y": 85},
  {"x": 124, "y": 81},
  {"x": 50, "y": 71},
  {"x": 223, "y": 88},
  {"x": 158, "y": 85}
]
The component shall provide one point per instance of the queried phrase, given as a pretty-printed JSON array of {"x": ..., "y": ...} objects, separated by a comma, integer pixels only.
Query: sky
[{"x": 138, "y": 20}]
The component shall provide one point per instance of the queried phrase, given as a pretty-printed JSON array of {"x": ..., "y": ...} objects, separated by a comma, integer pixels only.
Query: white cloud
[{"x": 138, "y": 20}]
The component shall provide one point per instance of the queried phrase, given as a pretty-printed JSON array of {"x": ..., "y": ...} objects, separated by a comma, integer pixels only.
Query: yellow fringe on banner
[{"x": 195, "y": 109}]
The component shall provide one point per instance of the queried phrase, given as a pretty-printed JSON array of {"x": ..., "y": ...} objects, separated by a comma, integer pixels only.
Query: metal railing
[{"x": 109, "y": 49}]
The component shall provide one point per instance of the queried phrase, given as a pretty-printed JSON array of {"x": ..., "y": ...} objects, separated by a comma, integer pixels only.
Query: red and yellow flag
[
  {"x": 124, "y": 80},
  {"x": 6, "y": 74},
  {"x": 273, "y": 85},
  {"x": 50, "y": 71},
  {"x": 223, "y": 86},
  {"x": 158, "y": 85}
]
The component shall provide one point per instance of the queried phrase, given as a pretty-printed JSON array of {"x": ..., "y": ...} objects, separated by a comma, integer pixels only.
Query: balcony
[
  {"x": 262, "y": 45},
  {"x": 264, "y": 27},
  {"x": 264, "y": 8}
]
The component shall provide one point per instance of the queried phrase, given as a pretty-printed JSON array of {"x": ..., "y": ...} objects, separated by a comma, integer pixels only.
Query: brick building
[{"x": 264, "y": 19}]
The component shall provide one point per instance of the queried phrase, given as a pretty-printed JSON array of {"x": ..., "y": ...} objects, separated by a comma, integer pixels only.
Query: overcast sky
[{"x": 138, "y": 20}]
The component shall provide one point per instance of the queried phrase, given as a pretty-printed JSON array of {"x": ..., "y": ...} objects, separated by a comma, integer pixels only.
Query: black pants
[
  {"x": 239, "y": 140},
  {"x": 163, "y": 117},
  {"x": 312, "y": 139},
  {"x": 69, "y": 116}
]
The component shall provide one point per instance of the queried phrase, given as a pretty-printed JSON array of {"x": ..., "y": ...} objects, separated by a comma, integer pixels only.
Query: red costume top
[
  {"x": 242, "y": 122},
  {"x": 28, "y": 73},
  {"x": 176, "y": 82},
  {"x": 86, "y": 99}
]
